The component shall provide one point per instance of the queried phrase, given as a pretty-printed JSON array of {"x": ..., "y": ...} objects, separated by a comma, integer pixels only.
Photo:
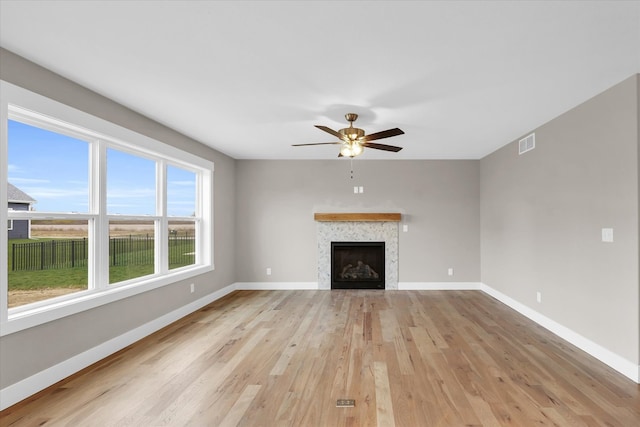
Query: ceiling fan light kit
[
  {"x": 351, "y": 149},
  {"x": 353, "y": 140}
]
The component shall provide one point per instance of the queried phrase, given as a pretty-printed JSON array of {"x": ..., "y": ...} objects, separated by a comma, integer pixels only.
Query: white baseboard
[
  {"x": 439, "y": 286},
  {"x": 424, "y": 286},
  {"x": 276, "y": 286},
  {"x": 21, "y": 390},
  {"x": 428, "y": 286},
  {"x": 615, "y": 361}
]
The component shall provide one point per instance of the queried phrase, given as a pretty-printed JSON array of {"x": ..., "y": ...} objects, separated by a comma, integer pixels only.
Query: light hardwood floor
[{"x": 283, "y": 358}]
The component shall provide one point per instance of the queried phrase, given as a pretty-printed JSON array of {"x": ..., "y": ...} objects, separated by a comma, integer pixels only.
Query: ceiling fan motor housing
[{"x": 352, "y": 133}]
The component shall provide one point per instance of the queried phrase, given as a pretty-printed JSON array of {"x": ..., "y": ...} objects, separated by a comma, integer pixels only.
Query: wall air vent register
[{"x": 527, "y": 143}]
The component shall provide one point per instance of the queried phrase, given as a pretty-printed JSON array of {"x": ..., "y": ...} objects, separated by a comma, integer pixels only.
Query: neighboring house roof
[{"x": 15, "y": 195}]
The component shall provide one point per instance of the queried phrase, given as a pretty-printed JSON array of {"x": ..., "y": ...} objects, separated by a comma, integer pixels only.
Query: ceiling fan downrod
[{"x": 351, "y": 134}]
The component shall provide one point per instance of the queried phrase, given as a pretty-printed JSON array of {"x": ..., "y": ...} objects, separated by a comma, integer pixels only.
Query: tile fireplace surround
[{"x": 357, "y": 227}]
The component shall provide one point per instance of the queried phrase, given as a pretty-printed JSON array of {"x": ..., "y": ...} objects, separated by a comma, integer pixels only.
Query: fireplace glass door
[{"x": 357, "y": 265}]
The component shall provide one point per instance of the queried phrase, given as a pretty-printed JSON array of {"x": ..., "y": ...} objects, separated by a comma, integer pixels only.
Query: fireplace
[
  {"x": 358, "y": 227},
  {"x": 357, "y": 265}
]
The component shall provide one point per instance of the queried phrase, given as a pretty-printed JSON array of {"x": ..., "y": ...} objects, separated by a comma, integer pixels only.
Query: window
[
  {"x": 51, "y": 167},
  {"x": 131, "y": 184},
  {"x": 114, "y": 213},
  {"x": 131, "y": 206},
  {"x": 181, "y": 210},
  {"x": 48, "y": 165}
]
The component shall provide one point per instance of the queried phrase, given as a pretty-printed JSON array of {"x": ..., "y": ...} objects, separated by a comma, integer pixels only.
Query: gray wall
[
  {"x": 27, "y": 352},
  {"x": 542, "y": 215},
  {"x": 439, "y": 200}
]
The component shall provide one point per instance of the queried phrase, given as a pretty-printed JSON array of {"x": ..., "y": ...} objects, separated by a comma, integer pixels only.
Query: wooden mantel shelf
[{"x": 371, "y": 217}]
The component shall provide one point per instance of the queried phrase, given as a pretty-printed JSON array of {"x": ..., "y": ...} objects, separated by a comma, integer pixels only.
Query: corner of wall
[{"x": 626, "y": 367}]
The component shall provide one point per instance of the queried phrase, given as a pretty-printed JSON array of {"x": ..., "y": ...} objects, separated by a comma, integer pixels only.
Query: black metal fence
[
  {"x": 50, "y": 254},
  {"x": 131, "y": 250},
  {"x": 127, "y": 250}
]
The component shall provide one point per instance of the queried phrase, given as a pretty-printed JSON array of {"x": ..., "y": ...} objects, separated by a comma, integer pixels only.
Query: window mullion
[
  {"x": 162, "y": 225},
  {"x": 99, "y": 229}
]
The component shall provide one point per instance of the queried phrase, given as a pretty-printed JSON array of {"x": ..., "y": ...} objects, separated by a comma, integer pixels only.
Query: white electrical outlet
[
  {"x": 450, "y": 271},
  {"x": 355, "y": 189},
  {"x": 405, "y": 228},
  {"x": 607, "y": 235},
  {"x": 539, "y": 296},
  {"x": 361, "y": 189},
  {"x": 193, "y": 287},
  {"x": 268, "y": 271}
]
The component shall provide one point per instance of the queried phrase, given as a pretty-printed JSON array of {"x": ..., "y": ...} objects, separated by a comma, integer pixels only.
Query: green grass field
[{"x": 77, "y": 277}]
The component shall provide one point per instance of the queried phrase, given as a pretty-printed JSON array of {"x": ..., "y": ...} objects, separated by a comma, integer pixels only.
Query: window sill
[{"x": 21, "y": 318}]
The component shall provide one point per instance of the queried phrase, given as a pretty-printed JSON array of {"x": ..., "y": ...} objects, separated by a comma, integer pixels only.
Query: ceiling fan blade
[
  {"x": 383, "y": 134},
  {"x": 331, "y": 131},
  {"x": 316, "y": 143},
  {"x": 382, "y": 146}
]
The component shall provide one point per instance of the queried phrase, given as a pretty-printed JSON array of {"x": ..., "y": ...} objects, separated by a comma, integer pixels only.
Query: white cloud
[
  {"x": 129, "y": 193},
  {"x": 182, "y": 183},
  {"x": 26, "y": 181},
  {"x": 54, "y": 193}
]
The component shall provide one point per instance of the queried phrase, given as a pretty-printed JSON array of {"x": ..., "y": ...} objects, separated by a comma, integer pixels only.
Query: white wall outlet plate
[{"x": 607, "y": 235}]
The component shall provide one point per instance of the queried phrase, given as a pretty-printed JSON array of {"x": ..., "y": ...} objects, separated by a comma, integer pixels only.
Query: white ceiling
[{"x": 251, "y": 78}]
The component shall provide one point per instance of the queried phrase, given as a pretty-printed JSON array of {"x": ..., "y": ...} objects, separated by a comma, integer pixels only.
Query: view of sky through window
[
  {"x": 181, "y": 192},
  {"x": 131, "y": 184},
  {"x": 54, "y": 169},
  {"x": 50, "y": 167}
]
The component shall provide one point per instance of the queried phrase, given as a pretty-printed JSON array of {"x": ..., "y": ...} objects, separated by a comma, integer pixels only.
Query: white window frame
[{"x": 20, "y": 104}]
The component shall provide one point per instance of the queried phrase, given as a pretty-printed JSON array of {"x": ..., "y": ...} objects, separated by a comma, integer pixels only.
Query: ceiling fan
[{"x": 354, "y": 140}]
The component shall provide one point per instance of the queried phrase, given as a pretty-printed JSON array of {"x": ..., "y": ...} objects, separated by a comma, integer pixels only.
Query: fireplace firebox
[{"x": 357, "y": 265}]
